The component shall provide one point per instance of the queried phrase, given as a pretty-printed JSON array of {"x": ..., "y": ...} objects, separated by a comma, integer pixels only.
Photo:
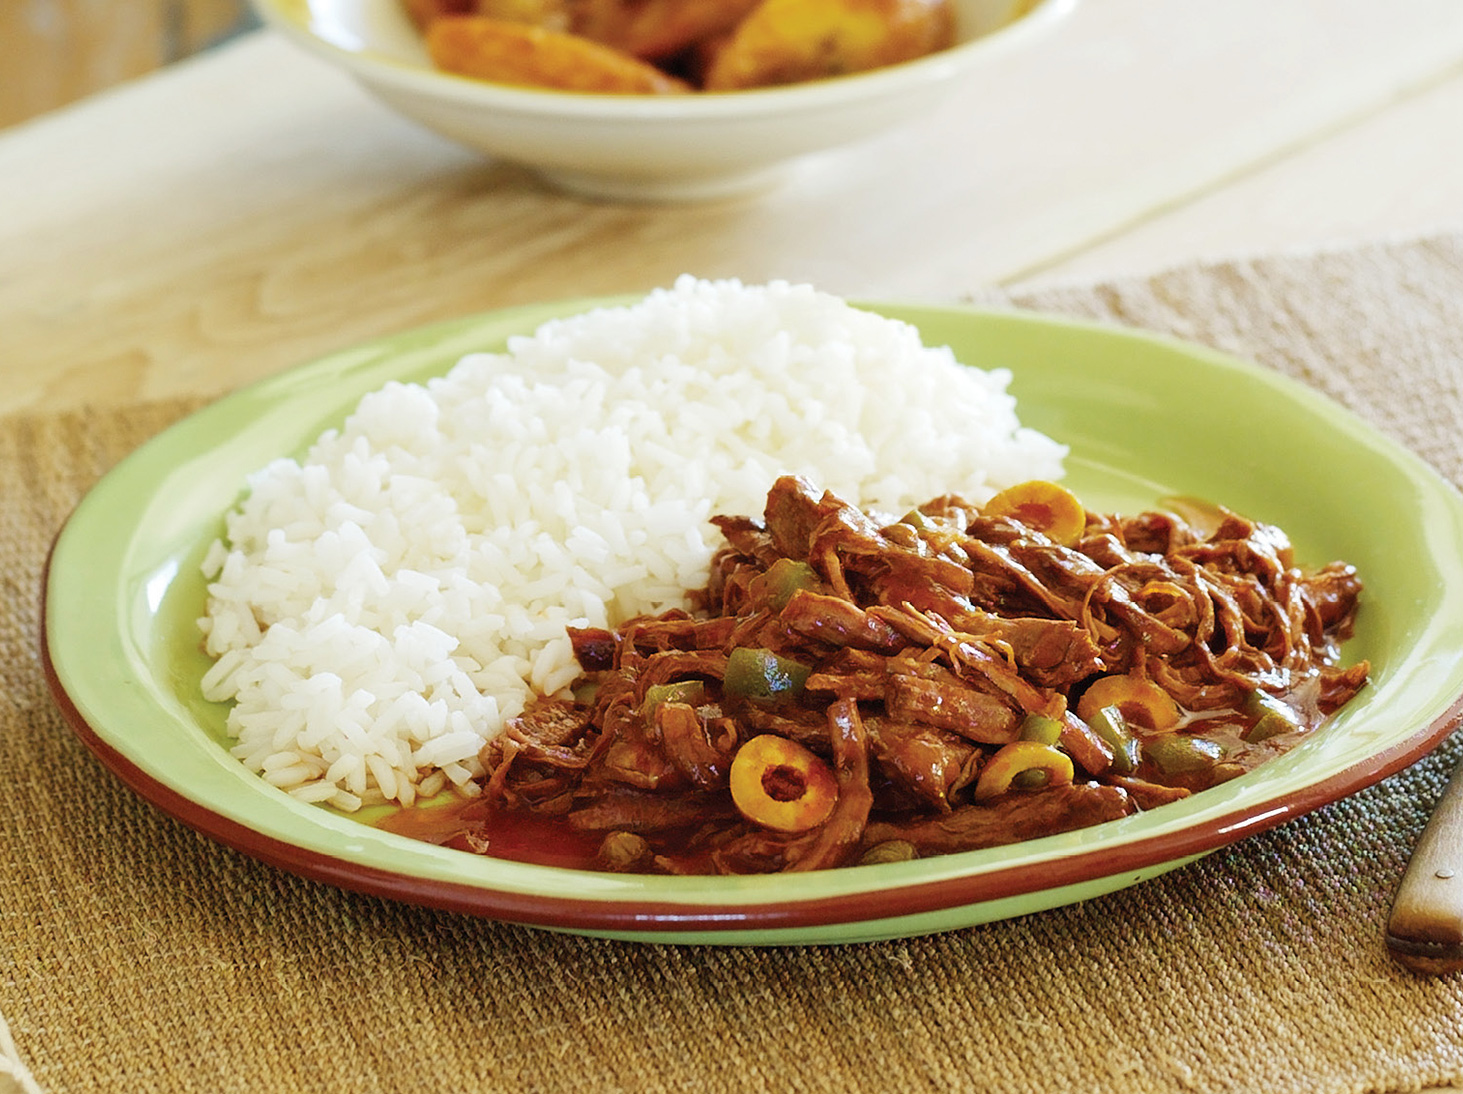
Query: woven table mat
[{"x": 137, "y": 955}]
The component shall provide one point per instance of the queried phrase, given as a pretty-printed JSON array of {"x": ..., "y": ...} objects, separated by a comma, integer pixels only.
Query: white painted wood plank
[{"x": 1398, "y": 173}]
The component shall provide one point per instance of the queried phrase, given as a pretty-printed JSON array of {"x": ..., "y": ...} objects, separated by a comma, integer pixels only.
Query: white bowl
[{"x": 646, "y": 147}]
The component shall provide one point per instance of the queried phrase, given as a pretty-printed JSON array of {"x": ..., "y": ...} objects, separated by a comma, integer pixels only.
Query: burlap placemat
[{"x": 136, "y": 955}]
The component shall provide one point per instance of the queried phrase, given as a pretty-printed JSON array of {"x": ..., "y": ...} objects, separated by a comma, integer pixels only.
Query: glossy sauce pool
[{"x": 521, "y": 837}]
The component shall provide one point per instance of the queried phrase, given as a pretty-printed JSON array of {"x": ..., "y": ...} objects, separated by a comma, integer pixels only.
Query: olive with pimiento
[
  {"x": 779, "y": 784},
  {"x": 1048, "y": 507}
]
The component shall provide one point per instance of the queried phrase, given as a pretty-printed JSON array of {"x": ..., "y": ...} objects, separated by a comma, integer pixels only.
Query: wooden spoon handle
[{"x": 1425, "y": 931}]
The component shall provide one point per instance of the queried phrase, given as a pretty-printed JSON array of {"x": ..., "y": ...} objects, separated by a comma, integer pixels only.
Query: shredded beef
[{"x": 897, "y": 667}]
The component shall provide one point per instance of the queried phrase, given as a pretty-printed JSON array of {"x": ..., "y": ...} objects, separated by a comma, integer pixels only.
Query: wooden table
[{"x": 251, "y": 208}]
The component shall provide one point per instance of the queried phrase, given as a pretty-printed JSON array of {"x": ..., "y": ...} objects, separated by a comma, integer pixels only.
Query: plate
[{"x": 1144, "y": 416}]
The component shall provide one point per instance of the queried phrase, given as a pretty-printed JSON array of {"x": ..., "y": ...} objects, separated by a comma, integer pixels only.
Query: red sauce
[{"x": 520, "y": 837}]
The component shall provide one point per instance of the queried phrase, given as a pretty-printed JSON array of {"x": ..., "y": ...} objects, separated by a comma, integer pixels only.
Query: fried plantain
[
  {"x": 530, "y": 56},
  {"x": 792, "y": 41}
]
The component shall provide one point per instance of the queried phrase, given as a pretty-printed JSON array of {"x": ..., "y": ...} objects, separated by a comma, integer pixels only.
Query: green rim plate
[{"x": 1144, "y": 417}]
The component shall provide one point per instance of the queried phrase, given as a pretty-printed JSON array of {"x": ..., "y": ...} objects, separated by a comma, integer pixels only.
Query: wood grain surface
[
  {"x": 55, "y": 52},
  {"x": 252, "y": 208}
]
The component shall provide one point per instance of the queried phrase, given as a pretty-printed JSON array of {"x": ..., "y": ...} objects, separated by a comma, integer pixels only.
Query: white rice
[{"x": 380, "y": 607}]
